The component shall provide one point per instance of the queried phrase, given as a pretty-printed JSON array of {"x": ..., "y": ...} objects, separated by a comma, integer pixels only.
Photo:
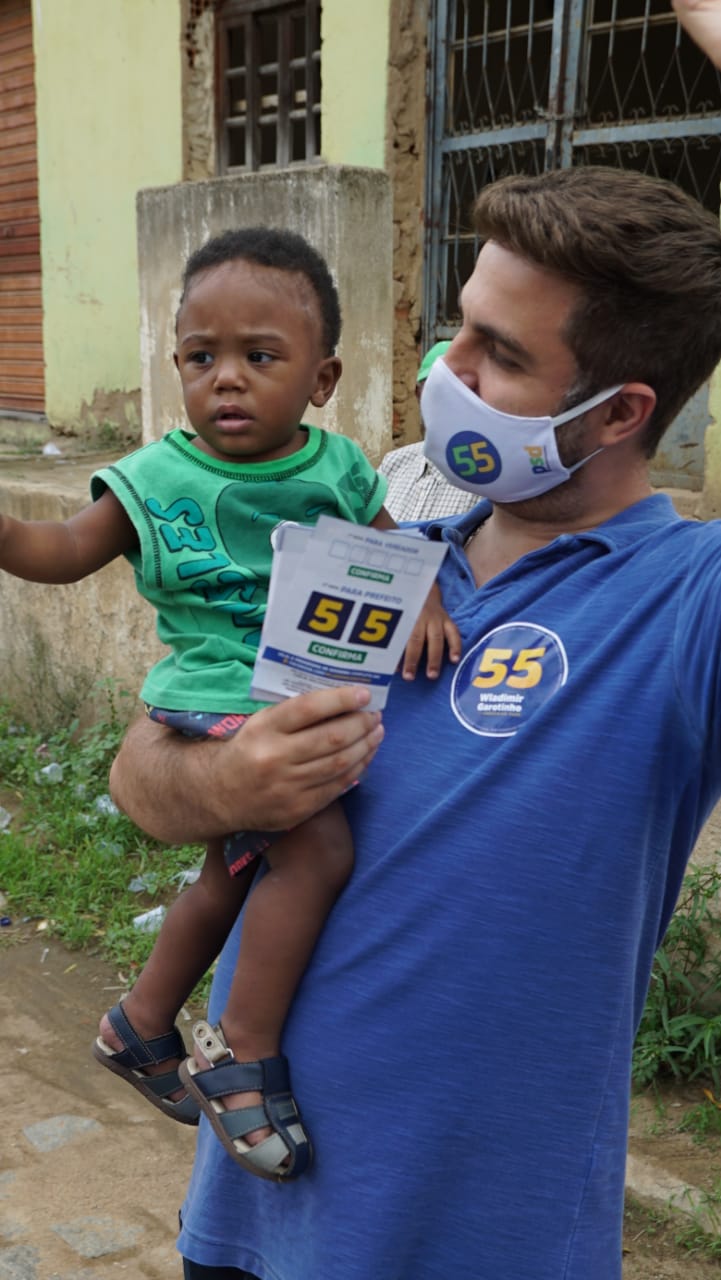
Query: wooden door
[{"x": 21, "y": 319}]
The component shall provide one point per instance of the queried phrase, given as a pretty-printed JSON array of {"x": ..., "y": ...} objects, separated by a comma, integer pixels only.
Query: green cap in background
[{"x": 430, "y": 358}]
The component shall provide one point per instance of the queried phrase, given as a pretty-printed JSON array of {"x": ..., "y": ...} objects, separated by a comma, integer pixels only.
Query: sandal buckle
[{"x": 211, "y": 1042}]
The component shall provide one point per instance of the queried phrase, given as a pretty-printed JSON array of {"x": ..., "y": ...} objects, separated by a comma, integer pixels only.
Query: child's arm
[
  {"x": 433, "y": 631},
  {"x": 65, "y": 551}
]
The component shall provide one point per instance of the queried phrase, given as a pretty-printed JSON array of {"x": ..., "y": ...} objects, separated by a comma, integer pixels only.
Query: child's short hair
[{"x": 273, "y": 247}]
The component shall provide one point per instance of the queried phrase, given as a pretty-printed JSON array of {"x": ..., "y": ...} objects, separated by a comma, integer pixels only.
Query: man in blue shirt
[{"x": 461, "y": 1042}]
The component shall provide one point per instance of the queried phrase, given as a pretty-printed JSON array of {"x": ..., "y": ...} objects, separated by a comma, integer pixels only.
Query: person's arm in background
[
  {"x": 702, "y": 20},
  {"x": 288, "y": 762}
]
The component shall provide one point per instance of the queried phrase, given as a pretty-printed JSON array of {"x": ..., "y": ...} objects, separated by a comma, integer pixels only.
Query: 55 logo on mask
[
  {"x": 473, "y": 457},
  {"x": 507, "y": 677}
]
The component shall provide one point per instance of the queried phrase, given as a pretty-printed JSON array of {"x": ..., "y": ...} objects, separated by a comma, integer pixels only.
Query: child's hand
[{"x": 432, "y": 632}]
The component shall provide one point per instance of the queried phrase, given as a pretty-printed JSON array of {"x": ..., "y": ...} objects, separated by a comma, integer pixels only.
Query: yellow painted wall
[
  {"x": 108, "y": 82},
  {"x": 354, "y": 74}
]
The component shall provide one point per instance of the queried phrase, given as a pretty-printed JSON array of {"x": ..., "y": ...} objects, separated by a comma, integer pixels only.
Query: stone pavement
[{"x": 91, "y": 1176}]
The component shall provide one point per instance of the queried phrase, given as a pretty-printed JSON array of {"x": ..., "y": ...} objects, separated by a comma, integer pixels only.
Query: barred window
[{"x": 268, "y": 84}]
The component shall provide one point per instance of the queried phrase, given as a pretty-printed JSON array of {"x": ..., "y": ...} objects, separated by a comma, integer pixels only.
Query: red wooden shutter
[{"x": 21, "y": 318}]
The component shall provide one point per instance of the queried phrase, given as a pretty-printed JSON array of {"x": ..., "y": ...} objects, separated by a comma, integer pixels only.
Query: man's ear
[
  {"x": 326, "y": 381},
  {"x": 626, "y": 414}
]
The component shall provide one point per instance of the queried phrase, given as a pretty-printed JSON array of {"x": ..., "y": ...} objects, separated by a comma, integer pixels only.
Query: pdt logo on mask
[
  {"x": 473, "y": 458},
  {"x": 538, "y": 460}
]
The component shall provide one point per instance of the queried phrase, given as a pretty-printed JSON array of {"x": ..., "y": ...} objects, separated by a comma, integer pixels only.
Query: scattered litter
[
  {"x": 144, "y": 884},
  {"x": 41, "y": 926},
  {"x": 186, "y": 877},
  {"x": 104, "y": 804},
  {"x": 45, "y": 953},
  {"x": 5, "y": 819},
  {"x": 50, "y": 773},
  {"x": 5, "y": 921},
  {"x": 109, "y": 848},
  {"x": 184, "y": 1014},
  {"x": 150, "y": 921},
  {"x": 51, "y": 450},
  {"x": 69, "y": 968}
]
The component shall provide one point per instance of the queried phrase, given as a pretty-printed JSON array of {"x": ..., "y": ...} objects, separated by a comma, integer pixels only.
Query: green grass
[
  {"x": 680, "y": 1031},
  {"x": 687, "y": 1231},
  {"x": 64, "y": 858}
]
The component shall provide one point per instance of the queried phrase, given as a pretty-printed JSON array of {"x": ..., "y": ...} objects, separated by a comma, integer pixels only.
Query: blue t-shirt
[{"x": 460, "y": 1045}]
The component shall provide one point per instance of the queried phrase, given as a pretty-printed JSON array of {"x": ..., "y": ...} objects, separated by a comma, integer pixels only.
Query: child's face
[{"x": 250, "y": 357}]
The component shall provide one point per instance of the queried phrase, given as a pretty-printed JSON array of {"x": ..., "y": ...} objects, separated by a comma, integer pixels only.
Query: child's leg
[
  {"x": 283, "y": 920},
  {"x": 284, "y": 917},
  {"x": 190, "y": 938}
]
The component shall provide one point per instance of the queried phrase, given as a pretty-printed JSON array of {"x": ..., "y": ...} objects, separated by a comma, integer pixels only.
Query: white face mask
[{"x": 493, "y": 454}]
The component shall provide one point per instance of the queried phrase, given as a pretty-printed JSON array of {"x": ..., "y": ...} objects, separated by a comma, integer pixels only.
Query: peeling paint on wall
[
  {"x": 199, "y": 142},
  {"x": 111, "y": 420},
  {"x": 405, "y": 157}
]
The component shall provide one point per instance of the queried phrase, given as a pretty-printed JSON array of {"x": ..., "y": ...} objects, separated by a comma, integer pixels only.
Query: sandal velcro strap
[
  {"x": 287, "y": 1152},
  {"x": 143, "y": 1053},
  {"x": 231, "y": 1077},
  {"x": 131, "y": 1063}
]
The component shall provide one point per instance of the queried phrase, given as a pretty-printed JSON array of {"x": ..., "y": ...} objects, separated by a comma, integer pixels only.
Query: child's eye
[
  {"x": 260, "y": 357},
  {"x": 201, "y": 358}
]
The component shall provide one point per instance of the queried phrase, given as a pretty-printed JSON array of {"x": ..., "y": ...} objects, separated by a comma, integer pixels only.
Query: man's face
[{"x": 510, "y": 350}]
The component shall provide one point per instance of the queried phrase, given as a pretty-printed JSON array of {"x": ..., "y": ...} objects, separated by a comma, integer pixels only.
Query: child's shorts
[{"x": 241, "y": 847}]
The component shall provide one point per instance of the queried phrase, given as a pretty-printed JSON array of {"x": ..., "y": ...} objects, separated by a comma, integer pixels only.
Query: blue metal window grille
[{"x": 520, "y": 86}]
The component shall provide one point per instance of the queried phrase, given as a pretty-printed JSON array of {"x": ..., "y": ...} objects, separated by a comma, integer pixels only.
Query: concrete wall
[
  {"x": 709, "y": 507},
  {"x": 405, "y": 164},
  {"x": 346, "y": 214},
  {"x": 58, "y": 642},
  {"x": 109, "y": 122}
]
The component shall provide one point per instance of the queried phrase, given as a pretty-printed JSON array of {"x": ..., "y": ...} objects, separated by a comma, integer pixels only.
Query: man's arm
[{"x": 288, "y": 762}]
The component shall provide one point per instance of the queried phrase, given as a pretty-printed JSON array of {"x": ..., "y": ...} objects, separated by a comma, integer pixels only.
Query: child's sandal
[
  {"x": 132, "y": 1062},
  {"x": 287, "y": 1153}
]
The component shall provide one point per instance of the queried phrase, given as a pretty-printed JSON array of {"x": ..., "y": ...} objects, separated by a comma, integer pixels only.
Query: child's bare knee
[{"x": 321, "y": 847}]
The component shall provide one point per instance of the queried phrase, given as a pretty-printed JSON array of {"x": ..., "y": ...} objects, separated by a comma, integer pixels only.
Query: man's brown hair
[{"x": 647, "y": 260}]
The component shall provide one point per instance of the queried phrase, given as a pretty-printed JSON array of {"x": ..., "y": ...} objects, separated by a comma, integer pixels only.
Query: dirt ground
[
  {"x": 653, "y": 1247},
  {"x": 132, "y": 1166},
  {"x": 102, "y": 1202},
  {"x": 131, "y": 1169},
  {"x": 652, "y": 1252}
]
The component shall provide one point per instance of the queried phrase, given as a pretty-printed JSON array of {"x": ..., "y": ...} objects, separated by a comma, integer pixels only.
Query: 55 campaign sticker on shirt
[{"x": 506, "y": 677}]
